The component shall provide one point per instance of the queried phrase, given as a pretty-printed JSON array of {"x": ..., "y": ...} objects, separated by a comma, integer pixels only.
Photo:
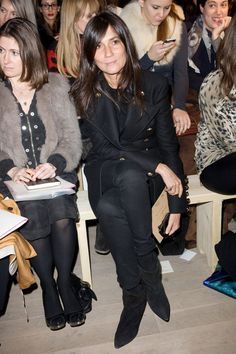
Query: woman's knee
[
  {"x": 129, "y": 172},
  {"x": 109, "y": 205}
]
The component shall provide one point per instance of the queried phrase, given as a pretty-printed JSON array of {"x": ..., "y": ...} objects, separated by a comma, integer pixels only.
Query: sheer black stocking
[
  {"x": 63, "y": 241},
  {"x": 57, "y": 250}
]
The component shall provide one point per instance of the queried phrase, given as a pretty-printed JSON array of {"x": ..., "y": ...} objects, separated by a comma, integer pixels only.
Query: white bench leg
[
  {"x": 216, "y": 230},
  {"x": 209, "y": 229},
  {"x": 84, "y": 251}
]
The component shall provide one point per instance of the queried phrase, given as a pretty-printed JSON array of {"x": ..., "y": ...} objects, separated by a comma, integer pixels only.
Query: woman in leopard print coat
[{"x": 216, "y": 139}]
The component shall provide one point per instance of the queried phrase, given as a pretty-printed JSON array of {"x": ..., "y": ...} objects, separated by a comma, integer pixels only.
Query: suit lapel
[{"x": 106, "y": 120}]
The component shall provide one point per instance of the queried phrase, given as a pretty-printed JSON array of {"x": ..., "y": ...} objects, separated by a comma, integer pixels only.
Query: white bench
[
  {"x": 209, "y": 217},
  {"x": 209, "y": 220}
]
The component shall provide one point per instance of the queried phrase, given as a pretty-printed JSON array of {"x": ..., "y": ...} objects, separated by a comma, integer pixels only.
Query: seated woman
[
  {"x": 48, "y": 20},
  {"x": 216, "y": 140},
  {"x": 126, "y": 114},
  {"x": 40, "y": 138},
  {"x": 151, "y": 23},
  {"x": 16, "y": 8},
  {"x": 204, "y": 38},
  {"x": 75, "y": 15}
]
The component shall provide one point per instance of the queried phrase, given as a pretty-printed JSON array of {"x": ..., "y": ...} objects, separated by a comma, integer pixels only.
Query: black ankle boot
[
  {"x": 101, "y": 246},
  {"x": 134, "y": 301},
  {"x": 150, "y": 271}
]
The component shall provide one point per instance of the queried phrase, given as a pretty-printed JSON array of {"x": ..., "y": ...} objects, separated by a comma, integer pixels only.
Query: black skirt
[{"x": 42, "y": 213}]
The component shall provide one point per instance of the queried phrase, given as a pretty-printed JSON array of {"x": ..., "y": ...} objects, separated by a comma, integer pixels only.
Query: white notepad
[{"x": 10, "y": 222}]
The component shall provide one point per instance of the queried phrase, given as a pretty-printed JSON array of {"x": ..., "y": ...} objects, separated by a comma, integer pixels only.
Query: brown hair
[
  {"x": 226, "y": 58},
  {"x": 89, "y": 83},
  {"x": 31, "y": 51}
]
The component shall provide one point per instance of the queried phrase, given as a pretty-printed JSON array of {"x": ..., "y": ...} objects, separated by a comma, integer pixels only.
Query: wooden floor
[{"x": 203, "y": 321}]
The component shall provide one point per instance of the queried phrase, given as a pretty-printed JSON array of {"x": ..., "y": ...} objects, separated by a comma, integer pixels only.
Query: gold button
[
  {"x": 122, "y": 158},
  {"x": 149, "y": 129},
  {"x": 150, "y": 174}
]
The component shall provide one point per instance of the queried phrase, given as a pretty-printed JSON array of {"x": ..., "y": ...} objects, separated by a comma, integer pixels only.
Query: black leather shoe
[
  {"x": 76, "y": 319},
  {"x": 56, "y": 322},
  {"x": 83, "y": 292}
]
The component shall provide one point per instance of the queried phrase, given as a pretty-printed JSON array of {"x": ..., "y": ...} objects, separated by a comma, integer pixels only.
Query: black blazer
[{"x": 147, "y": 139}]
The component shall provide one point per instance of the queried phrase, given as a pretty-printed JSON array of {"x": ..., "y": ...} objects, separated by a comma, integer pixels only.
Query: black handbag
[{"x": 175, "y": 244}]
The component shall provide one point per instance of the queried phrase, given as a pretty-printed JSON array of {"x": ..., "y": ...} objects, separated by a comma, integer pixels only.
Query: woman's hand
[
  {"x": 181, "y": 120},
  {"x": 172, "y": 182},
  {"x": 44, "y": 170},
  {"x": 173, "y": 224},
  {"x": 21, "y": 174},
  {"x": 223, "y": 24},
  {"x": 159, "y": 49}
]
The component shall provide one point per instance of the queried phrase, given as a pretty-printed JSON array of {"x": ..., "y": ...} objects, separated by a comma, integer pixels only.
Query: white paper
[
  {"x": 187, "y": 255},
  {"x": 10, "y": 222},
  {"x": 166, "y": 267}
]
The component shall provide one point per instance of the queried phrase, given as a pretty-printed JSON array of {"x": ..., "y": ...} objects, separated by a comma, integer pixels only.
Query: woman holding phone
[{"x": 161, "y": 41}]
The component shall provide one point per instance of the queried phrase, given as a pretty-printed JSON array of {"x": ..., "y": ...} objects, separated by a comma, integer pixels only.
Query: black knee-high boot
[
  {"x": 134, "y": 301},
  {"x": 150, "y": 272}
]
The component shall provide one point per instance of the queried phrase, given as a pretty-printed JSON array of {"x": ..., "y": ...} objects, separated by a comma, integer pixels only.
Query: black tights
[
  {"x": 220, "y": 176},
  {"x": 57, "y": 251}
]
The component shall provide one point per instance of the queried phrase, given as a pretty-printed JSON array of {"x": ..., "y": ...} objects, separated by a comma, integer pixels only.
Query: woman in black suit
[{"x": 125, "y": 113}]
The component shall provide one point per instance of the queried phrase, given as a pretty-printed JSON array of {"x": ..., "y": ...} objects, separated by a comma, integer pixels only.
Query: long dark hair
[
  {"x": 89, "y": 83},
  {"x": 226, "y": 59},
  {"x": 32, "y": 53}
]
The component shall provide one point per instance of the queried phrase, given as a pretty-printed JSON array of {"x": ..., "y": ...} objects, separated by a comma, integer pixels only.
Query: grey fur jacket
[{"x": 58, "y": 115}]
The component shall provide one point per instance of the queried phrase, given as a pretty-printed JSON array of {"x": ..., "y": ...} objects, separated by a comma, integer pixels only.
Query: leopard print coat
[{"x": 216, "y": 136}]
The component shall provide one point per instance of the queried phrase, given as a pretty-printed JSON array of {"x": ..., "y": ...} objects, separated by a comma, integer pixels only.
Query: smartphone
[{"x": 169, "y": 41}]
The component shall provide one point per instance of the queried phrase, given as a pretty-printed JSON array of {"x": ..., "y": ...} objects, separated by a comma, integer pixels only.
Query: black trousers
[
  {"x": 220, "y": 176},
  {"x": 124, "y": 213}
]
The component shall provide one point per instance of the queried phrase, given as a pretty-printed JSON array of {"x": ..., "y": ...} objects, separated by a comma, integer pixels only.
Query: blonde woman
[
  {"x": 161, "y": 41},
  {"x": 75, "y": 15}
]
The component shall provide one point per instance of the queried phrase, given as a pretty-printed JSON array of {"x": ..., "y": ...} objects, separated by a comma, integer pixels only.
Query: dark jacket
[{"x": 147, "y": 139}]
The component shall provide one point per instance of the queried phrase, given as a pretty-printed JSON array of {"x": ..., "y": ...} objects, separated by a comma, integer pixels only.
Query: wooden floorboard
[{"x": 203, "y": 321}]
